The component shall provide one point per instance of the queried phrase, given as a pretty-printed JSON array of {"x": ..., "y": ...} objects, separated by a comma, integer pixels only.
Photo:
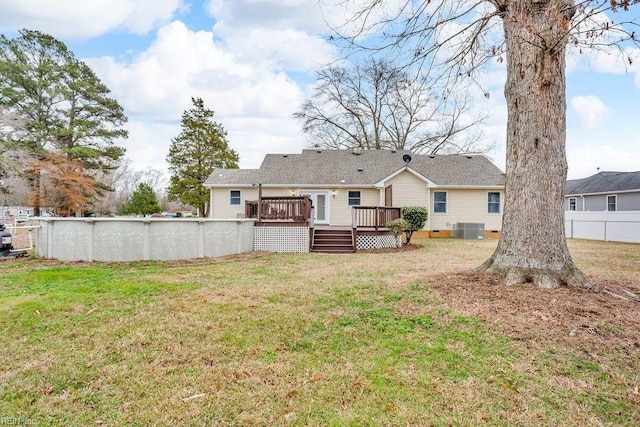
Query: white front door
[{"x": 320, "y": 201}]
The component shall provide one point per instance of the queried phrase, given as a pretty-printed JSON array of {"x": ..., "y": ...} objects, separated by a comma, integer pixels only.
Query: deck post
[{"x": 259, "y": 201}]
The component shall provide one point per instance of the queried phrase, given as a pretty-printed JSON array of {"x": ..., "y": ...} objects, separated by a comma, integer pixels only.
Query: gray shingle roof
[
  {"x": 343, "y": 167},
  {"x": 604, "y": 182}
]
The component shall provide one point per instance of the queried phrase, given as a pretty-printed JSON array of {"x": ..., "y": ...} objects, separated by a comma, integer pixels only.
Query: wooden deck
[
  {"x": 373, "y": 218},
  {"x": 294, "y": 210}
]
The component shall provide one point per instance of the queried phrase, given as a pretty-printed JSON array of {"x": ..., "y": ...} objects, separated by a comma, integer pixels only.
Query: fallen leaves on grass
[{"x": 596, "y": 322}]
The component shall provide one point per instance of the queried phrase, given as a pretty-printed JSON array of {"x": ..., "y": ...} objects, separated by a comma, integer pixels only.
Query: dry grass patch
[{"x": 404, "y": 338}]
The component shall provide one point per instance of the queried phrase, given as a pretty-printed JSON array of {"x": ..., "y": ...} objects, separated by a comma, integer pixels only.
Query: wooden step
[{"x": 332, "y": 241}]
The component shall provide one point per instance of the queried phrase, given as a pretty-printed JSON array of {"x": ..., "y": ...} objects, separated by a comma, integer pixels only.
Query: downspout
[
  {"x": 429, "y": 209},
  {"x": 210, "y": 203}
]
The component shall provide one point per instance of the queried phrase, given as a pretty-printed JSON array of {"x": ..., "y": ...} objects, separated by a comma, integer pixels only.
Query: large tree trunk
[{"x": 533, "y": 246}]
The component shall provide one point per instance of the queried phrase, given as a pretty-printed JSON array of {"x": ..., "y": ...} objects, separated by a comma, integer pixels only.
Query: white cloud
[
  {"x": 253, "y": 98},
  {"x": 275, "y": 14},
  {"x": 591, "y": 110},
  {"x": 607, "y": 59},
  {"x": 85, "y": 19},
  {"x": 284, "y": 49},
  {"x": 148, "y": 143},
  {"x": 161, "y": 80},
  {"x": 312, "y": 17},
  {"x": 283, "y": 34},
  {"x": 585, "y": 161}
]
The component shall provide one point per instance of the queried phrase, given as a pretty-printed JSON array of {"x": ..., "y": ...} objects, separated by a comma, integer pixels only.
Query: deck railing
[
  {"x": 373, "y": 217},
  {"x": 279, "y": 209}
]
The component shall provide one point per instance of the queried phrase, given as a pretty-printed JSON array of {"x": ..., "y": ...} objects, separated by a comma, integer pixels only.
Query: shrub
[
  {"x": 416, "y": 217},
  {"x": 397, "y": 226},
  {"x": 143, "y": 201}
]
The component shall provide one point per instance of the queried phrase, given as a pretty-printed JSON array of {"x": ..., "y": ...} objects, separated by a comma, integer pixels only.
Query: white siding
[{"x": 467, "y": 206}]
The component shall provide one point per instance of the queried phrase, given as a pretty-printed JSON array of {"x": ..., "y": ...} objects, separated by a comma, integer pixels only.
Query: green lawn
[{"x": 358, "y": 339}]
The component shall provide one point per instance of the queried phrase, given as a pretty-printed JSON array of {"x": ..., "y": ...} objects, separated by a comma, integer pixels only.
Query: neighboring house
[
  {"x": 454, "y": 188},
  {"x": 11, "y": 214},
  {"x": 604, "y": 191}
]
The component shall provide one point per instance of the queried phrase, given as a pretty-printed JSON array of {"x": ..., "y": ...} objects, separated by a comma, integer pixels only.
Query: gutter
[
  {"x": 299, "y": 185},
  {"x": 608, "y": 193}
]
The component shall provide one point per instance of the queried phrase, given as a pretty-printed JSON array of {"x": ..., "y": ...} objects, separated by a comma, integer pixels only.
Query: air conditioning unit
[{"x": 468, "y": 230}]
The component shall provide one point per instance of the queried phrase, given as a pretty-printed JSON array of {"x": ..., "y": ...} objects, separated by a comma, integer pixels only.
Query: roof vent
[
  {"x": 406, "y": 158},
  {"x": 357, "y": 151}
]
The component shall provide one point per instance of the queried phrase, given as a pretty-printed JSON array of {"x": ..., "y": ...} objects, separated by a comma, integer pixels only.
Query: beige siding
[
  {"x": 408, "y": 190},
  {"x": 466, "y": 206},
  {"x": 340, "y": 211},
  {"x": 222, "y": 209}
]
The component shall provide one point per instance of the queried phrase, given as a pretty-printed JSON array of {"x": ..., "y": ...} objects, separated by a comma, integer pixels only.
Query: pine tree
[
  {"x": 143, "y": 202},
  {"x": 66, "y": 109},
  {"x": 200, "y": 147}
]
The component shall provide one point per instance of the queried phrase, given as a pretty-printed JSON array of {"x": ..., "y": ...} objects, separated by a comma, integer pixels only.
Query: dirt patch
[
  {"x": 596, "y": 323},
  {"x": 42, "y": 263}
]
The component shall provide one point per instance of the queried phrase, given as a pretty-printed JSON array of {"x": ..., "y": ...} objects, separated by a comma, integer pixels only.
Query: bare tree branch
[{"x": 375, "y": 105}]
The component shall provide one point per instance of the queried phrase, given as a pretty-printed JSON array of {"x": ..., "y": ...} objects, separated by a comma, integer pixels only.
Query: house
[
  {"x": 604, "y": 191},
  {"x": 454, "y": 188}
]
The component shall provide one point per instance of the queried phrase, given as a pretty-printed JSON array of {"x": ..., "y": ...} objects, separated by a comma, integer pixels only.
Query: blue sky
[{"x": 253, "y": 62}]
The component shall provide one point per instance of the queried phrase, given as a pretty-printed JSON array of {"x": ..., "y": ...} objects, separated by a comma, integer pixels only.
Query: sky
[{"x": 254, "y": 61}]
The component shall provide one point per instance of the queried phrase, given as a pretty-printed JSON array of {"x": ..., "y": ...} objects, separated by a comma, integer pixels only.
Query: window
[
  {"x": 494, "y": 202},
  {"x": 440, "y": 202},
  {"x": 354, "y": 198},
  {"x": 234, "y": 197},
  {"x": 612, "y": 202},
  {"x": 573, "y": 202}
]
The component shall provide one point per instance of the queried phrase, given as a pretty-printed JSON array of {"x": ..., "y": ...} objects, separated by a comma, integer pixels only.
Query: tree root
[{"x": 548, "y": 279}]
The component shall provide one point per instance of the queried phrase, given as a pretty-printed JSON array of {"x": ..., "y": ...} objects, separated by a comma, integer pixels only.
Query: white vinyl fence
[
  {"x": 139, "y": 239},
  {"x": 607, "y": 226}
]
